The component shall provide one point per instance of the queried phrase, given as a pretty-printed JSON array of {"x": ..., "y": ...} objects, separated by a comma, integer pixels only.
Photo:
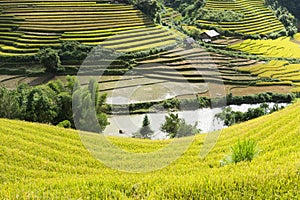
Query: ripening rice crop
[
  {"x": 44, "y": 162},
  {"x": 297, "y": 37},
  {"x": 282, "y": 47},
  {"x": 252, "y": 17},
  {"x": 35, "y": 24},
  {"x": 282, "y": 71}
]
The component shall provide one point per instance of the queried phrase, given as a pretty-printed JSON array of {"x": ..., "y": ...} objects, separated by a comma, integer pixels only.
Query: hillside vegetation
[
  {"x": 40, "y": 161},
  {"x": 292, "y": 5}
]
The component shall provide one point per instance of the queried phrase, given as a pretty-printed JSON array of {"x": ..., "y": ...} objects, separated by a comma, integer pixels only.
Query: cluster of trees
[
  {"x": 174, "y": 126},
  {"x": 145, "y": 131},
  {"x": 177, "y": 127},
  {"x": 292, "y": 5},
  {"x": 152, "y": 8},
  {"x": 188, "y": 8},
  {"x": 283, "y": 14},
  {"x": 52, "y": 103},
  {"x": 219, "y": 15},
  {"x": 261, "y": 98},
  {"x": 231, "y": 117},
  {"x": 69, "y": 52},
  {"x": 201, "y": 102}
]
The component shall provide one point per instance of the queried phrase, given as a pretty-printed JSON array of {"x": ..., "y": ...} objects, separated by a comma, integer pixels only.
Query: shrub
[
  {"x": 50, "y": 59},
  {"x": 64, "y": 124},
  {"x": 242, "y": 151}
]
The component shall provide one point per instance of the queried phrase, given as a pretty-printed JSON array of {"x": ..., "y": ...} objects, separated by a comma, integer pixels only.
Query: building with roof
[{"x": 209, "y": 35}]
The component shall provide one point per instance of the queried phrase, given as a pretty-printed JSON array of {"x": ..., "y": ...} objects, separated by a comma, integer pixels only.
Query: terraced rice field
[
  {"x": 170, "y": 16},
  {"x": 175, "y": 73},
  {"x": 257, "y": 19},
  {"x": 282, "y": 47},
  {"x": 44, "y": 162},
  {"x": 285, "y": 73},
  {"x": 26, "y": 26}
]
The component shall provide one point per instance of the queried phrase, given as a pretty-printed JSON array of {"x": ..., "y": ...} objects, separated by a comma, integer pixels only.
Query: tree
[
  {"x": 41, "y": 105},
  {"x": 146, "y": 131},
  {"x": 87, "y": 114},
  {"x": 151, "y": 8},
  {"x": 176, "y": 127},
  {"x": 171, "y": 125},
  {"x": 50, "y": 59},
  {"x": 9, "y": 106},
  {"x": 64, "y": 108},
  {"x": 185, "y": 129},
  {"x": 73, "y": 51}
]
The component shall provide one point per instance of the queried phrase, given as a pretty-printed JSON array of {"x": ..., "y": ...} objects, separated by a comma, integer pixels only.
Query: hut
[
  {"x": 210, "y": 35},
  {"x": 190, "y": 42}
]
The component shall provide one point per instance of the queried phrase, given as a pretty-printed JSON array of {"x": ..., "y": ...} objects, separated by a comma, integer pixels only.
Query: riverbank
[{"x": 196, "y": 102}]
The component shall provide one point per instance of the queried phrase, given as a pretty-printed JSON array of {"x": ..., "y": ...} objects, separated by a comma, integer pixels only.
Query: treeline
[
  {"x": 175, "y": 104},
  {"x": 219, "y": 15},
  {"x": 231, "y": 117},
  {"x": 292, "y": 5},
  {"x": 52, "y": 104},
  {"x": 189, "y": 9},
  {"x": 284, "y": 16},
  {"x": 151, "y": 8}
]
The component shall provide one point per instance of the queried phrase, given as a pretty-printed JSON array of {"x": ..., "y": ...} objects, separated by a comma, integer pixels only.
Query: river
[{"x": 205, "y": 118}]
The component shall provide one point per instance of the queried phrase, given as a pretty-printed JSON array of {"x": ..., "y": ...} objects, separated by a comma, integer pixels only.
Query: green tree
[
  {"x": 176, "y": 127},
  {"x": 50, "y": 59},
  {"x": 64, "y": 108},
  {"x": 185, "y": 129},
  {"x": 9, "y": 106},
  {"x": 87, "y": 116},
  {"x": 171, "y": 125},
  {"x": 73, "y": 51},
  {"x": 146, "y": 131},
  {"x": 151, "y": 8},
  {"x": 41, "y": 105}
]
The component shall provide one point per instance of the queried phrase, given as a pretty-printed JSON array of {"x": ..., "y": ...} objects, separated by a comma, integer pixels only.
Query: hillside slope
[
  {"x": 26, "y": 26},
  {"x": 40, "y": 161},
  {"x": 255, "y": 17}
]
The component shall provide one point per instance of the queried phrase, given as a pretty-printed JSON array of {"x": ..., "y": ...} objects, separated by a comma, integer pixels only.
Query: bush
[
  {"x": 64, "y": 124},
  {"x": 242, "y": 151},
  {"x": 50, "y": 59}
]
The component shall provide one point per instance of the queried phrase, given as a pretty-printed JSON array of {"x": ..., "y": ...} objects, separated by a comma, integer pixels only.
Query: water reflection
[{"x": 205, "y": 117}]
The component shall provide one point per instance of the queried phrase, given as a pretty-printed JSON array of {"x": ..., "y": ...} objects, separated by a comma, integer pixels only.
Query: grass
[
  {"x": 45, "y": 162},
  {"x": 242, "y": 151}
]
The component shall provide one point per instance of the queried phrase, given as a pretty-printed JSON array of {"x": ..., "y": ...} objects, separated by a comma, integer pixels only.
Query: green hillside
[{"x": 39, "y": 161}]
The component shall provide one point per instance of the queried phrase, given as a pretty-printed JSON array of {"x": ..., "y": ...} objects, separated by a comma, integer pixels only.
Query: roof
[
  {"x": 212, "y": 33},
  {"x": 190, "y": 40}
]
